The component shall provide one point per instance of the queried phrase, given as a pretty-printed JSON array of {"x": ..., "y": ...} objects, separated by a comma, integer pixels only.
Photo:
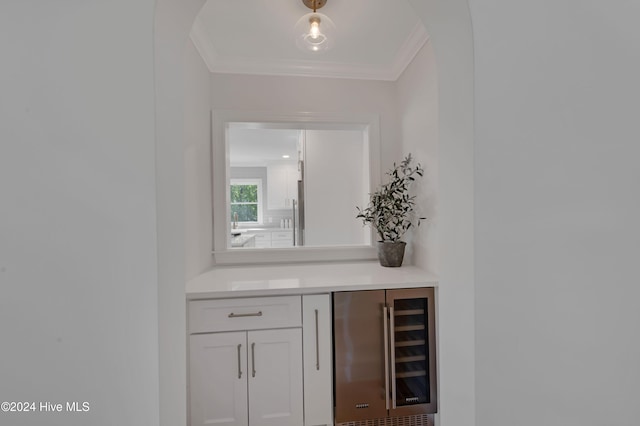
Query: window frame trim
[{"x": 221, "y": 249}]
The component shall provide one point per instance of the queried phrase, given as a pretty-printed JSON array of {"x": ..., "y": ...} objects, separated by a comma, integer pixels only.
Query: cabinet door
[
  {"x": 282, "y": 239},
  {"x": 275, "y": 377},
  {"x": 334, "y": 184},
  {"x": 282, "y": 186},
  {"x": 318, "y": 368},
  {"x": 218, "y": 379},
  {"x": 263, "y": 239},
  {"x": 276, "y": 187}
]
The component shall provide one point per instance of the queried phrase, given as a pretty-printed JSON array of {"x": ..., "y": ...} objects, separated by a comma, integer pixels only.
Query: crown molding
[
  {"x": 307, "y": 68},
  {"x": 409, "y": 49},
  {"x": 301, "y": 69},
  {"x": 202, "y": 42}
]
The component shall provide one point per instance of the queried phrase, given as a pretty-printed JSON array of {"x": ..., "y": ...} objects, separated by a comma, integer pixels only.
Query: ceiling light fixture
[{"x": 314, "y": 30}]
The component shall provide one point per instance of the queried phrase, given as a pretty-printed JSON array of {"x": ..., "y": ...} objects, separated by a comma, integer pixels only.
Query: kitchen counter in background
[
  {"x": 243, "y": 240},
  {"x": 249, "y": 281}
]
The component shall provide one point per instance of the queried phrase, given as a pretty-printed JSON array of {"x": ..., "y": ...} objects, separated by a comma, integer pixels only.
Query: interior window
[
  {"x": 246, "y": 200},
  {"x": 309, "y": 171}
]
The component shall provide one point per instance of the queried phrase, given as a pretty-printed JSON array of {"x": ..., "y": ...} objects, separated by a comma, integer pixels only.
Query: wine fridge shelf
[
  {"x": 410, "y": 359},
  {"x": 407, "y": 374},
  {"x": 409, "y": 312},
  {"x": 409, "y": 327},
  {"x": 410, "y": 343}
]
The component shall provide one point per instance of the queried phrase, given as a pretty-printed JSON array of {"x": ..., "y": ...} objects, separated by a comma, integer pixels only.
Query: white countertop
[
  {"x": 241, "y": 240},
  {"x": 249, "y": 281}
]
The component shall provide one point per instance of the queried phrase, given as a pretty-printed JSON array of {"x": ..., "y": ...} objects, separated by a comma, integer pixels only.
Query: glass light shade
[{"x": 315, "y": 32}]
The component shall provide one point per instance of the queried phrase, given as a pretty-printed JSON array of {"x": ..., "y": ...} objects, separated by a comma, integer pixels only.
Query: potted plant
[{"x": 391, "y": 211}]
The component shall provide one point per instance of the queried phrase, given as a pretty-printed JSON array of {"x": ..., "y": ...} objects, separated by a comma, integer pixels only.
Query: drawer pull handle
[{"x": 253, "y": 314}]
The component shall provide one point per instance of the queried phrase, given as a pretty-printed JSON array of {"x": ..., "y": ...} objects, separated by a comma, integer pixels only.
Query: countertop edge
[
  {"x": 302, "y": 291},
  {"x": 272, "y": 280}
]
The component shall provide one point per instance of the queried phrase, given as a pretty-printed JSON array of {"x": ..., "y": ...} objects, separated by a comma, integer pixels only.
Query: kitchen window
[{"x": 246, "y": 200}]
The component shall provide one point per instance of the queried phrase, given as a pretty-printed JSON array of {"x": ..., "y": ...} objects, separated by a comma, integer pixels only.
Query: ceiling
[
  {"x": 375, "y": 39},
  {"x": 255, "y": 146}
]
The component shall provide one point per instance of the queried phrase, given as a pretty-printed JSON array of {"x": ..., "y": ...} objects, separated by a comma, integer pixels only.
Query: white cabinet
[
  {"x": 334, "y": 184},
  {"x": 250, "y": 313},
  {"x": 318, "y": 367},
  {"x": 263, "y": 239},
  {"x": 252, "y": 376},
  {"x": 261, "y": 361},
  {"x": 268, "y": 239},
  {"x": 247, "y": 378},
  {"x": 282, "y": 186},
  {"x": 282, "y": 239},
  {"x": 218, "y": 379},
  {"x": 275, "y": 377}
]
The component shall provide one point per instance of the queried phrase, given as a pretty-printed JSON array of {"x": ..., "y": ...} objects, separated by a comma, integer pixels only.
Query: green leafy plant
[{"x": 390, "y": 209}]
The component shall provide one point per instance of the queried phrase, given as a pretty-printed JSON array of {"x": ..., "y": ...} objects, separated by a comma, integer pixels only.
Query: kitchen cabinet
[
  {"x": 275, "y": 377},
  {"x": 241, "y": 372},
  {"x": 318, "y": 360},
  {"x": 269, "y": 239},
  {"x": 230, "y": 369},
  {"x": 399, "y": 308},
  {"x": 282, "y": 186},
  {"x": 334, "y": 184},
  {"x": 218, "y": 379},
  {"x": 263, "y": 239},
  {"x": 282, "y": 239}
]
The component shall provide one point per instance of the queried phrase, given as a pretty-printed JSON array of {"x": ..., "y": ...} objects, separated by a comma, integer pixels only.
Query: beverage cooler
[{"x": 385, "y": 364}]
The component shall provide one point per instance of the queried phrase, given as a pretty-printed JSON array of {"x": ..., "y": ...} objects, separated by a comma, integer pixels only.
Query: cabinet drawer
[
  {"x": 284, "y": 235},
  {"x": 244, "y": 314},
  {"x": 262, "y": 236},
  {"x": 281, "y": 243}
]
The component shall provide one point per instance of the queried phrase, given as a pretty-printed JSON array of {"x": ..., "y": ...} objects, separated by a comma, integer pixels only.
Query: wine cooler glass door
[{"x": 412, "y": 350}]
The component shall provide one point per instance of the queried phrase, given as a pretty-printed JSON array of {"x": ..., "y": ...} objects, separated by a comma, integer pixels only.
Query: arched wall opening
[{"x": 449, "y": 25}]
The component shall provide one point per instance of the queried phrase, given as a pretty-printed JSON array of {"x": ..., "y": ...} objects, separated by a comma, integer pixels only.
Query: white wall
[
  {"x": 197, "y": 163},
  {"x": 303, "y": 94},
  {"x": 557, "y": 208},
  {"x": 172, "y": 23},
  {"x": 78, "y": 289},
  {"x": 449, "y": 26},
  {"x": 417, "y": 100}
]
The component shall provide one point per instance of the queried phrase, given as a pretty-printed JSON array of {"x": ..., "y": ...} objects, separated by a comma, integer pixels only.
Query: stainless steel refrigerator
[
  {"x": 298, "y": 209},
  {"x": 385, "y": 354}
]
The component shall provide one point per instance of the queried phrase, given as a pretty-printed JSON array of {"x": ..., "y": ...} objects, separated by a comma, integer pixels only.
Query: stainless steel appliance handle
[
  {"x": 300, "y": 204},
  {"x": 317, "y": 344},
  {"x": 293, "y": 219},
  {"x": 253, "y": 360},
  {"x": 239, "y": 362},
  {"x": 385, "y": 328},
  {"x": 392, "y": 349},
  {"x": 253, "y": 314}
]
